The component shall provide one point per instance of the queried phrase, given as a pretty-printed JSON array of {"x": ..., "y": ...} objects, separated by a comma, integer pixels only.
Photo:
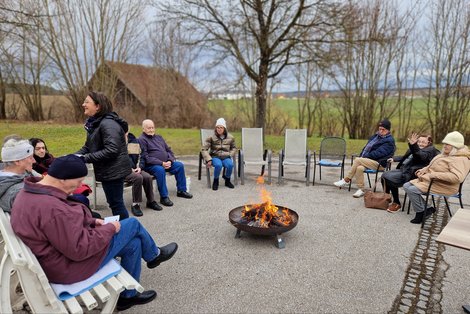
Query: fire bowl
[{"x": 235, "y": 219}]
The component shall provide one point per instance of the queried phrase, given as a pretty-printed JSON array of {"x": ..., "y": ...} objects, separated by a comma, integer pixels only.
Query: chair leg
[
  {"x": 200, "y": 168},
  {"x": 315, "y": 173},
  {"x": 368, "y": 179},
  {"x": 460, "y": 200},
  {"x": 447, "y": 205},
  {"x": 404, "y": 203}
]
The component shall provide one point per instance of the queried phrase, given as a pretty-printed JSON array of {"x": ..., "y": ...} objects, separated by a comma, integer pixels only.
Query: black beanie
[
  {"x": 385, "y": 123},
  {"x": 68, "y": 167}
]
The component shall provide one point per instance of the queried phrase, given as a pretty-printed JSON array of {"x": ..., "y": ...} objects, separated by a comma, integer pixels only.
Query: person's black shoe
[
  {"x": 166, "y": 201},
  {"x": 430, "y": 211},
  {"x": 215, "y": 184},
  {"x": 136, "y": 210},
  {"x": 154, "y": 205},
  {"x": 418, "y": 218},
  {"x": 166, "y": 252},
  {"x": 228, "y": 183},
  {"x": 184, "y": 194},
  {"x": 139, "y": 298}
]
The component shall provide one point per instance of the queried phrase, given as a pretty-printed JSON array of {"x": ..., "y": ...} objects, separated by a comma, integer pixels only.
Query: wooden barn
[{"x": 140, "y": 92}]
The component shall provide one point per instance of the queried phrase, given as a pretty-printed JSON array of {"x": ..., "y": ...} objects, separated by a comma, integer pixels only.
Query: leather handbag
[{"x": 378, "y": 200}]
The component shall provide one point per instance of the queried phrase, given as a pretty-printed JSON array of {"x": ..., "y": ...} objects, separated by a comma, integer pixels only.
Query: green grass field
[{"x": 63, "y": 139}]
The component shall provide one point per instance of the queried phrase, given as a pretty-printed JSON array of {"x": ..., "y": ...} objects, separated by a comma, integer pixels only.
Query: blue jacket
[{"x": 383, "y": 149}]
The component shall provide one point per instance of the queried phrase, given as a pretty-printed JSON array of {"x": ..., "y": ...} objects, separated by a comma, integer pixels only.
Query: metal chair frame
[{"x": 331, "y": 148}]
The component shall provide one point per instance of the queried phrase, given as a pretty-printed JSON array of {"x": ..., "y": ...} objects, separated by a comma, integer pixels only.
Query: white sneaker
[
  {"x": 341, "y": 183},
  {"x": 359, "y": 193}
]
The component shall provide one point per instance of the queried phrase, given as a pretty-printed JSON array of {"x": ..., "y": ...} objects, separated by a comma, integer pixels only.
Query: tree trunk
[{"x": 261, "y": 92}]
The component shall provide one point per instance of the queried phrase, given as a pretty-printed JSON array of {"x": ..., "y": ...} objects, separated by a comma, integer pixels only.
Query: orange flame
[{"x": 266, "y": 213}]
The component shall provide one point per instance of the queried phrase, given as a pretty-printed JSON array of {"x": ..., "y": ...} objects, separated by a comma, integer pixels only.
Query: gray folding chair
[
  {"x": 332, "y": 154},
  {"x": 295, "y": 153},
  {"x": 206, "y": 133},
  {"x": 253, "y": 152}
]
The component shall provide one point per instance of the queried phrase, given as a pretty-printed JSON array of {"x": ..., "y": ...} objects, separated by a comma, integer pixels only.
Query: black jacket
[
  {"x": 421, "y": 158},
  {"x": 106, "y": 148}
]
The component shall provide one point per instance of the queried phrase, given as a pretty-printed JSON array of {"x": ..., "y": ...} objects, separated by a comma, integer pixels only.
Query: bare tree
[
  {"x": 448, "y": 63},
  {"x": 371, "y": 47},
  {"x": 276, "y": 28},
  {"x": 79, "y": 36}
]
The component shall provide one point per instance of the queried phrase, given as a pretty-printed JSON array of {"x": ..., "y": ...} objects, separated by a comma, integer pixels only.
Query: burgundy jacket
[{"x": 60, "y": 232}]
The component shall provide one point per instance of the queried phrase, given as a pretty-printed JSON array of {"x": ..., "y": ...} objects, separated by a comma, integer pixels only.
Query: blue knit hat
[{"x": 68, "y": 167}]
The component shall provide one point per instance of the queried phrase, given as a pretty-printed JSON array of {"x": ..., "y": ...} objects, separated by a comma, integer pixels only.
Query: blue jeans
[
  {"x": 114, "y": 196},
  {"x": 217, "y": 163},
  {"x": 131, "y": 244},
  {"x": 177, "y": 169}
]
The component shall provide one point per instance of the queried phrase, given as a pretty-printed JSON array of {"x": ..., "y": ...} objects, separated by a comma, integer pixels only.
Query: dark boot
[
  {"x": 215, "y": 185},
  {"x": 418, "y": 218},
  {"x": 228, "y": 183}
]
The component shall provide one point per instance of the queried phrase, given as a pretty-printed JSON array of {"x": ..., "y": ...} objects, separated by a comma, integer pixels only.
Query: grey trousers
[
  {"x": 415, "y": 196},
  {"x": 138, "y": 180}
]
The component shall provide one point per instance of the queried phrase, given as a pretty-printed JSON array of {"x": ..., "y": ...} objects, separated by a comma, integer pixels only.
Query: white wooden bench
[{"x": 20, "y": 268}]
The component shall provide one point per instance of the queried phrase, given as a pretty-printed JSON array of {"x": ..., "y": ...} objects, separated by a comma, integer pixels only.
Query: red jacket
[{"x": 60, "y": 232}]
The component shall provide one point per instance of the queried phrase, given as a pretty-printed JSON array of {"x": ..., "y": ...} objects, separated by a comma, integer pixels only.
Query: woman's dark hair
[
  {"x": 106, "y": 106},
  {"x": 428, "y": 137},
  {"x": 217, "y": 134},
  {"x": 34, "y": 141}
]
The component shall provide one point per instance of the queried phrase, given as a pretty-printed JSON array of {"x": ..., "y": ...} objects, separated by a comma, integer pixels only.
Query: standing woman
[
  {"x": 106, "y": 149},
  {"x": 218, "y": 151}
]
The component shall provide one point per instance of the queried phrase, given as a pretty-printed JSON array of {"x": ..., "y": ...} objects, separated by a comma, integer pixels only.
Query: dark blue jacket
[{"x": 383, "y": 149}]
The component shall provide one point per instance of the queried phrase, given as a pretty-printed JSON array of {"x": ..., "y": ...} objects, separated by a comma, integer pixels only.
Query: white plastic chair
[
  {"x": 295, "y": 153},
  {"x": 253, "y": 152}
]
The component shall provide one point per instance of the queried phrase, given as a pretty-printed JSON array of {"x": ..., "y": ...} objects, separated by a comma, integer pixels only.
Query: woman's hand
[
  {"x": 413, "y": 139},
  {"x": 117, "y": 225},
  {"x": 209, "y": 164}
]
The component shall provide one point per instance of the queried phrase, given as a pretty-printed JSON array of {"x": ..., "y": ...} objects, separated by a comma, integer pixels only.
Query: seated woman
[
  {"x": 218, "y": 151},
  {"x": 448, "y": 170},
  {"x": 44, "y": 159},
  {"x": 419, "y": 155}
]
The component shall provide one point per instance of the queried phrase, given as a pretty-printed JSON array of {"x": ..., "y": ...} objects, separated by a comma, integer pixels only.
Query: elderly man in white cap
[
  {"x": 218, "y": 151},
  {"x": 448, "y": 169},
  {"x": 17, "y": 157}
]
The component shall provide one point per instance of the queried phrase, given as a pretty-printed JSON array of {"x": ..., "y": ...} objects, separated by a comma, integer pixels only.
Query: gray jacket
[{"x": 9, "y": 188}]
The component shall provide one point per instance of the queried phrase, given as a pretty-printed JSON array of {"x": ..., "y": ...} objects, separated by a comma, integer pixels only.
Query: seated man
[
  {"x": 139, "y": 178},
  {"x": 157, "y": 159},
  {"x": 378, "y": 149},
  {"x": 17, "y": 157},
  {"x": 71, "y": 245}
]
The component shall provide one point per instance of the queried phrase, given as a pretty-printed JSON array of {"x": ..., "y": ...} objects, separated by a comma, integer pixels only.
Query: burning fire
[{"x": 265, "y": 214}]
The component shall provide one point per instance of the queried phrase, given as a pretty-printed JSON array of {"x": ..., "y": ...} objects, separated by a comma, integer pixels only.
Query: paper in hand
[{"x": 111, "y": 219}]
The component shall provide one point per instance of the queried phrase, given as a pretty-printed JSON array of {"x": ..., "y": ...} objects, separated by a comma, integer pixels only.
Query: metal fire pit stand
[{"x": 280, "y": 243}]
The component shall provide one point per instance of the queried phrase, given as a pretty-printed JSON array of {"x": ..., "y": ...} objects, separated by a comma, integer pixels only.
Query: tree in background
[
  {"x": 374, "y": 36},
  {"x": 446, "y": 52},
  {"x": 78, "y": 36},
  {"x": 276, "y": 28}
]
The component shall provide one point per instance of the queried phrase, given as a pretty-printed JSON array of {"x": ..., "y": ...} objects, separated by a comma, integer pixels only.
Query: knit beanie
[
  {"x": 14, "y": 150},
  {"x": 455, "y": 139},
  {"x": 68, "y": 167},
  {"x": 221, "y": 122},
  {"x": 385, "y": 123}
]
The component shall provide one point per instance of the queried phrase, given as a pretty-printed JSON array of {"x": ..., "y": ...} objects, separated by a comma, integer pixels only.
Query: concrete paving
[{"x": 340, "y": 258}]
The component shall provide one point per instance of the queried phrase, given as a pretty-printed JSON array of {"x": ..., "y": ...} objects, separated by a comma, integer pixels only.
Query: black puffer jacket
[{"x": 106, "y": 148}]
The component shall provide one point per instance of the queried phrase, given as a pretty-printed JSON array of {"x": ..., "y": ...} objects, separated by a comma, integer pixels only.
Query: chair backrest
[
  {"x": 295, "y": 145},
  {"x": 133, "y": 148},
  {"x": 205, "y": 133},
  {"x": 252, "y": 144},
  {"x": 332, "y": 148}
]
